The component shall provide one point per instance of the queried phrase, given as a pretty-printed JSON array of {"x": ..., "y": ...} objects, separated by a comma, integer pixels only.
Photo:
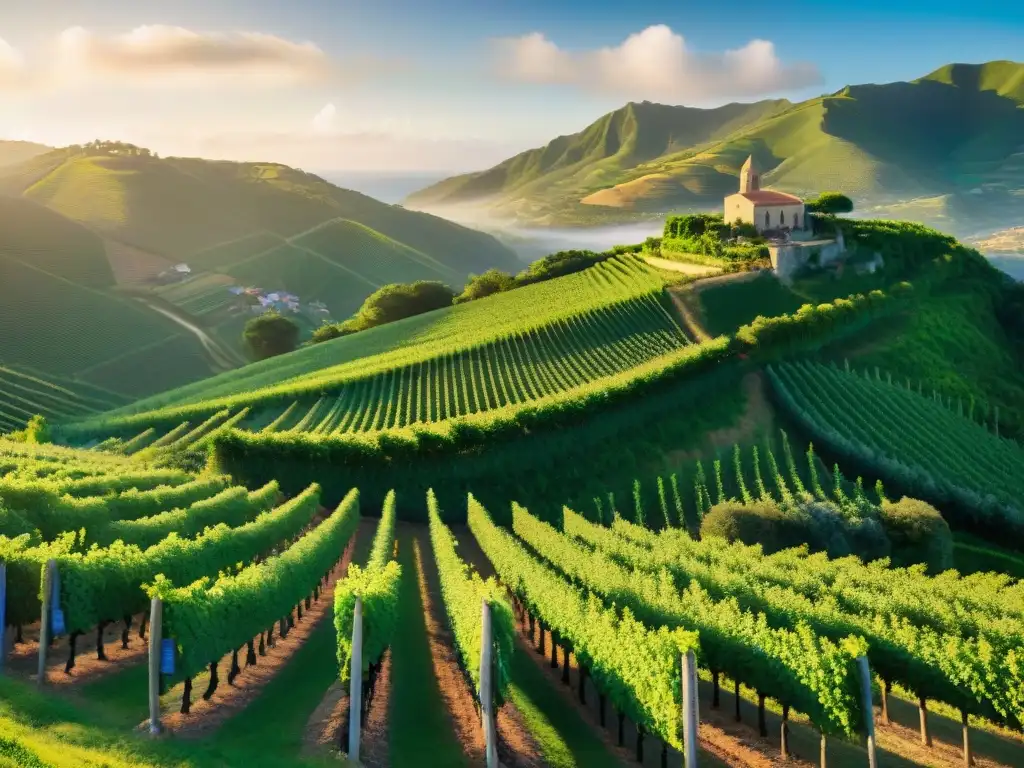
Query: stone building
[{"x": 766, "y": 210}]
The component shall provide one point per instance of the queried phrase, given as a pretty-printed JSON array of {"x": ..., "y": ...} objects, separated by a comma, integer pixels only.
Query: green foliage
[
  {"x": 919, "y": 534},
  {"x": 24, "y": 394},
  {"x": 36, "y": 431},
  {"x": 545, "y": 307},
  {"x": 829, "y": 203},
  {"x": 913, "y": 443},
  {"x": 812, "y": 674},
  {"x": 232, "y": 507},
  {"x": 133, "y": 504},
  {"x": 211, "y": 617},
  {"x": 727, "y": 307},
  {"x": 560, "y": 264},
  {"x": 490, "y": 282},
  {"x": 270, "y": 334},
  {"x": 636, "y": 667},
  {"x": 464, "y": 593},
  {"x": 934, "y": 636},
  {"x": 758, "y": 522},
  {"x": 379, "y": 587}
]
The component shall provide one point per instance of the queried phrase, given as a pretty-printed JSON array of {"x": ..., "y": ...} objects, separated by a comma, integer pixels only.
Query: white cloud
[
  {"x": 12, "y": 65},
  {"x": 655, "y": 64},
  {"x": 158, "y": 53},
  {"x": 324, "y": 120}
]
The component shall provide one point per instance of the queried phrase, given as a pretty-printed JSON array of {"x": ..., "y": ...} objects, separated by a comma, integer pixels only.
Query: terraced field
[
  {"x": 24, "y": 394},
  {"x": 514, "y": 347}
]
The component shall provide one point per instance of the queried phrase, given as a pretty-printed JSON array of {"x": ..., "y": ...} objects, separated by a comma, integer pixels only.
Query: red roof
[{"x": 767, "y": 197}]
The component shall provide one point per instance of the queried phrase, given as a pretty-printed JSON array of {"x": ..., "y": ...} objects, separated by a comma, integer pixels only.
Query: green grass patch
[
  {"x": 727, "y": 306},
  {"x": 564, "y": 738},
  {"x": 973, "y": 555}
]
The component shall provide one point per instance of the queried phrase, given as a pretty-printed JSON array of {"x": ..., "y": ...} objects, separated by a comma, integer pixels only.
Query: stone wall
[{"x": 789, "y": 258}]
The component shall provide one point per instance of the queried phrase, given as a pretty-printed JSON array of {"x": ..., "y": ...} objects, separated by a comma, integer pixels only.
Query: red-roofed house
[{"x": 761, "y": 207}]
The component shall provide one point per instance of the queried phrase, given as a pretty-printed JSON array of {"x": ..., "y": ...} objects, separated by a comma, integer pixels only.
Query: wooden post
[
  {"x": 3, "y": 614},
  {"x": 156, "y": 626},
  {"x": 486, "y": 685},
  {"x": 824, "y": 751},
  {"x": 869, "y": 711},
  {"x": 44, "y": 627},
  {"x": 355, "y": 683},
  {"x": 690, "y": 710}
]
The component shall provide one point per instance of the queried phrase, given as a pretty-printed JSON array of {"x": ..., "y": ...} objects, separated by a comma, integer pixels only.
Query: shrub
[
  {"x": 821, "y": 525},
  {"x": 270, "y": 335},
  {"x": 759, "y": 522},
  {"x": 490, "y": 282},
  {"x": 918, "y": 533},
  {"x": 559, "y": 264},
  {"x": 400, "y": 300},
  {"x": 36, "y": 431}
]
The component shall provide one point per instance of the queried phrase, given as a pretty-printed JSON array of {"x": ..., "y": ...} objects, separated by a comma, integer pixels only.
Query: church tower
[{"x": 750, "y": 180}]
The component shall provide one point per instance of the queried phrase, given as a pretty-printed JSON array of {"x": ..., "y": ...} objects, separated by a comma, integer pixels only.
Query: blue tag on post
[
  {"x": 57, "y": 621},
  {"x": 167, "y": 656}
]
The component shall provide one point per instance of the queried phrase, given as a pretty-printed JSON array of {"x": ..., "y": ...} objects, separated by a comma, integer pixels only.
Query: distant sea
[{"x": 384, "y": 186}]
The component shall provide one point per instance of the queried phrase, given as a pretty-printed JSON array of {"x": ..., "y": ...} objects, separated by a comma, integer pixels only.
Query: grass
[
  {"x": 75, "y": 733},
  {"x": 725, "y": 307},
  {"x": 420, "y": 734},
  {"x": 60, "y": 327},
  {"x": 24, "y": 394},
  {"x": 973, "y": 555},
  {"x": 564, "y": 738}
]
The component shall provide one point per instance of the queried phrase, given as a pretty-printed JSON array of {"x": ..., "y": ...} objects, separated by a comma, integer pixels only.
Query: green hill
[
  {"x": 78, "y": 221},
  {"x": 956, "y": 132},
  {"x": 185, "y": 207}
]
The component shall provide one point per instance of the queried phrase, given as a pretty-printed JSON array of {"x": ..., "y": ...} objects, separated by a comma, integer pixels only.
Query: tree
[
  {"x": 830, "y": 203},
  {"x": 269, "y": 335},
  {"x": 401, "y": 300},
  {"x": 490, "y": 282}
]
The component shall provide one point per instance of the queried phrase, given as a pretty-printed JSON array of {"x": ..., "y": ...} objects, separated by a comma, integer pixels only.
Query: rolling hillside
[
  {"x": 957, "y": 132},
  {"x": 13, "y": 152},
  {"x": 79, "y": 224}
]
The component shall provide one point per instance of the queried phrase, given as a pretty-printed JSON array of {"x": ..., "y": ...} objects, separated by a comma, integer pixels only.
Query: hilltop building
[{"x": 766, "y": 210}]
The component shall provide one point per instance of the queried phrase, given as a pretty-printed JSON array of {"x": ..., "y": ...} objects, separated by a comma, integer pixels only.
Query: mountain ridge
[{"x": 951, "y": 131}]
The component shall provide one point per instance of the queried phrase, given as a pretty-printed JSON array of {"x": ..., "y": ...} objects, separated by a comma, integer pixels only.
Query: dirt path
[
  {"x": 696, "y": 270},
  {"x": 458, "y": 698},
  {"x": 22, "y": 659},
  {"x": 229, "y": 699},
  {"x": 690, "y": 315},
  {"x": 220, "y": 357}
]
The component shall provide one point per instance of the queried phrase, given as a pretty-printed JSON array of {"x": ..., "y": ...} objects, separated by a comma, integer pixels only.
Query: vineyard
[
  {"x": 540, "y": 528},
  {"x": 506, "y": 349},
  {"x": 24, "y": 394},
  {"x": 921, "y": 444}
]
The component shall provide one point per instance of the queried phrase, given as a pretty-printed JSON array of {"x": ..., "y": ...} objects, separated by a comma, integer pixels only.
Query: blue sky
[{"x": 442, "y": 84}]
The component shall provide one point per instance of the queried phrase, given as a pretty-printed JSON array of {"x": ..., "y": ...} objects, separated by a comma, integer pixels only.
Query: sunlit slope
[
  {"x": 40, "y": 238},
  {"x": 618, "y": 301},
  {"x": 24, "y": 394},
  {"x": 63, "y": 328},
  {"x": 956, "y": 130},
  {"x": 340, "y": 264},
  {"x": 183, "y": 207}
]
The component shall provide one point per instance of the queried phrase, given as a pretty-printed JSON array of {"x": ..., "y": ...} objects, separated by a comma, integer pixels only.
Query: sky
[{"x": 414, "y": 86}]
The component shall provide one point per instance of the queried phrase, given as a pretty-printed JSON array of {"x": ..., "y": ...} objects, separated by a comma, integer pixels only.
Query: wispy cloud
[
  {"x": 323, "y": 122},
  {"x": 656, "y": 64},
  {"x": 160, "y": 53}
]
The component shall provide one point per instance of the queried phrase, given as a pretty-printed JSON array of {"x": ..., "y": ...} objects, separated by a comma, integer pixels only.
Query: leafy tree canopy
[
  {"x": 269, "y": 335},
  {"x": 830, "y": 203},
  {"x": 490, "y": 282}
]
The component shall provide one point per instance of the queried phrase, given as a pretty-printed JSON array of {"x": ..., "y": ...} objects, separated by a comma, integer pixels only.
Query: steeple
[{"x": 750, "y": 180}]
